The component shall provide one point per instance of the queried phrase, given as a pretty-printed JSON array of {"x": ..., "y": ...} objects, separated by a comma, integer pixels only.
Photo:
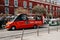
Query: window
[
  {"x": 53, "y": 8},
  {"x": 6, "y": 10},
  {"x": 56, "y": 8},
  {"x": 52, "y": 2},
  {"x": 38, "y": 18},
  {"x": 50, "y": 7},
  {"x": 16, "y": 3},
  {"x": 30, "y": 5},
  {"x": 30, "y": 11},
  {"x": 47, "y": 7},
  {"x": 48, "y": 0},
  {"x": 24, "y": 4},
  {"x": 6, "y": 2}
]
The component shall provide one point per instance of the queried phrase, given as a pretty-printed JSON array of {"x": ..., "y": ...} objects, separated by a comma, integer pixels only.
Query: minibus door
[
  {"x": 27, "y": 23},
  {"x": 38, "y": 20}
]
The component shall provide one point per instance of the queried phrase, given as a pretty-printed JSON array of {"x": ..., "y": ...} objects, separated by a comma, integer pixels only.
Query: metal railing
[
  {"x": 37, "y": 31},
  {"x": 48, "y": 31}
]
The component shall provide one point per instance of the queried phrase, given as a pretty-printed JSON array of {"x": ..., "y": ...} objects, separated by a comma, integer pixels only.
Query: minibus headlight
[{"x": 9, "y": 23}]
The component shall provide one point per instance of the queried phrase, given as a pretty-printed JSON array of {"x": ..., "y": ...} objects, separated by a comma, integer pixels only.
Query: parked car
[{"x": 53, "y": 22}]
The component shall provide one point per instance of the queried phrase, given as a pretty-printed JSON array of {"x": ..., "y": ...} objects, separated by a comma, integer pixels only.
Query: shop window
[
  {"x": 6, "y": 10},
  {"x": 6, "y": 2},
  {"x": 24, "y": 4},
  {"x": 16, "y": 3}
]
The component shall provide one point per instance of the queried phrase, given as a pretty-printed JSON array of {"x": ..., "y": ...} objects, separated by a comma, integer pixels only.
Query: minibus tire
[
  {"x": 35, "y": 26},
  {"x": 13, "y": 28}
]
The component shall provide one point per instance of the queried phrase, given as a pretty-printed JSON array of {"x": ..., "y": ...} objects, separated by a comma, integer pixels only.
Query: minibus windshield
[
  {"x": 13, "y": 18},
  {"x": 21, "y": 17}
]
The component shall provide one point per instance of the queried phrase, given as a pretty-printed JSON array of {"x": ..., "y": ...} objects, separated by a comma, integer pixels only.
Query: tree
[
  {"x": 38, "y": 10},
  {"x": 20, "y": 10},
  {"x": 58, "y": 11}
]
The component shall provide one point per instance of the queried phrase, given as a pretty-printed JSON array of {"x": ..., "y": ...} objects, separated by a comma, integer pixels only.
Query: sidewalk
[{"x": 43, "y": 36}]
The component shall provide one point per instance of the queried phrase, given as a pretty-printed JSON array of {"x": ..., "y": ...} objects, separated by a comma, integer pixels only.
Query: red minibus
[{"x": 24, "y": 21}]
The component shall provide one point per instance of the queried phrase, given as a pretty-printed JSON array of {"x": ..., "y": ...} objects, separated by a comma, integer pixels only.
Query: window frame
[
  {"x": 6, "y": 2},
  {"x": 25, "y": 4},
  {"x": 30, "y": 5},
  {"x": 6, "y": 10},
  {"x": 15, "y": 3}
]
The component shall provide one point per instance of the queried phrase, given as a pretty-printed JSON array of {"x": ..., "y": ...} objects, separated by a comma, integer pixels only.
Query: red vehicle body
[{"x": 23, "y": 21}]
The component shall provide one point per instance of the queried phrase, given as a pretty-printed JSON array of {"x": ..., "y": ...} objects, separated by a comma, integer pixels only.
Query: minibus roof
[
  {"x": 34, "y": 14},
  {"x": 30, "y": 14},
  {"x": 21, "y": 14}
]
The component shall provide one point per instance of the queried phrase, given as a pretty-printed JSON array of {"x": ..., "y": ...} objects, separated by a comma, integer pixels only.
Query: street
[
  {"x": 42, "y": 15},
  {"x": 8, "y": 35}
]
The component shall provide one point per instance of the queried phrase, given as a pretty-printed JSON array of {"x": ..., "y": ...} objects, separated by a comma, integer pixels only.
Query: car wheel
[
  {"x": 35, "y": 26},
  {"x": 13, "y": 28}
]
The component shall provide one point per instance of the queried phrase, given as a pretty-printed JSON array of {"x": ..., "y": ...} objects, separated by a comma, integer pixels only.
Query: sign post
[
  {"x": 22, "y": 34},
  {"x": 48, "y": 30},
  {"x": 38, "y": 31}
]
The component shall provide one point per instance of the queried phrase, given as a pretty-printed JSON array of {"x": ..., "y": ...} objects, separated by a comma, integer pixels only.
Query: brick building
[{"x": 9, "y": 6}]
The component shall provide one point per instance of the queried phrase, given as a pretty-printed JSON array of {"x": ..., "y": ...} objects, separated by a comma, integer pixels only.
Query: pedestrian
[
  {"x": 1, "y": 20},
  {"x": 8, "y": 17},
  {"x": 4, "y": 20}
]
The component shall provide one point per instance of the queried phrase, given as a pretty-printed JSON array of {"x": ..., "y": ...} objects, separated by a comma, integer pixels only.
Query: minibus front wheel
[{"x": 13, "y": 28}]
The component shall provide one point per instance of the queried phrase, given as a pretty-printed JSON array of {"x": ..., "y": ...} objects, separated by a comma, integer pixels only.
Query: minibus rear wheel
[
  {"x": 35, "y": 26},
  {"x": 13, "y": 28}
]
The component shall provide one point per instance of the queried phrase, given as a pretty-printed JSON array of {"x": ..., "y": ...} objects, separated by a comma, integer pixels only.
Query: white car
[{"x": 53, "y": 22}]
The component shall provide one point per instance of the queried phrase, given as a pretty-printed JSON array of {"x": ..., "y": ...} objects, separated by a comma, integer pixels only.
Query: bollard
[
  {"x": 37, "y": 31},
  {"x": 22, "y": 34},
  {"x": 48, "y": 30},
  {"x": 57, "y": 28}
]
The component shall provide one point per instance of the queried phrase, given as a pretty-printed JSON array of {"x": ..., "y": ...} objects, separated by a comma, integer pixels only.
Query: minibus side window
[
  {"x": 24, "y": 17},
  {"x": 38, "y": 18}
]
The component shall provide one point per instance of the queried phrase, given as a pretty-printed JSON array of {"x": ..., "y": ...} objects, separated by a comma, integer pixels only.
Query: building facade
[{"x": 9, "y": 6}]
